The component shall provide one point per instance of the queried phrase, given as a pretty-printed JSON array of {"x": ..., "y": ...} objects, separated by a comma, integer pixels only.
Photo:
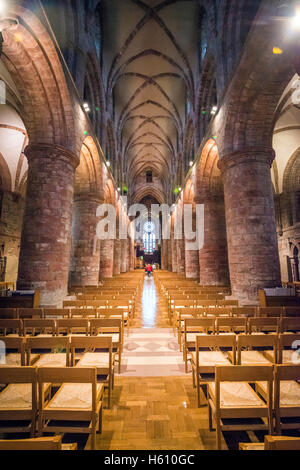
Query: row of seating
[{"x": 30, "y": 402}]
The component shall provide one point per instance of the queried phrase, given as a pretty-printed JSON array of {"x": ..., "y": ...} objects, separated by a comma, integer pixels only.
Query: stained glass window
[{"x": 149, "y": 237}]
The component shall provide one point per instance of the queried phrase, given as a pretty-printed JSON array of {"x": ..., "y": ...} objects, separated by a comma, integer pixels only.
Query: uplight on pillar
[{"x": 296, "y": 19}]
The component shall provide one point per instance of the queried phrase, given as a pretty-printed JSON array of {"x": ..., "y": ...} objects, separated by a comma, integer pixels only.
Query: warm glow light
[
  {"x": 108, "y": 164},
  {"x": 18, "y": 37},
  {"x": 296, "y": 19},
  {"x": 2, "y": 7},
  {"x": 191, "y": 164}
]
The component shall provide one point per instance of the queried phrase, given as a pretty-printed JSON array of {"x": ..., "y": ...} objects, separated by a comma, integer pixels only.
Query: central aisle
[{"x": 150, "y": 351}]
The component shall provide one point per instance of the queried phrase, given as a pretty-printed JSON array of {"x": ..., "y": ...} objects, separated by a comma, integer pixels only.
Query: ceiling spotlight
[
  {"x": 296, "y": 19},
  {"x": 214, "y": 110}
]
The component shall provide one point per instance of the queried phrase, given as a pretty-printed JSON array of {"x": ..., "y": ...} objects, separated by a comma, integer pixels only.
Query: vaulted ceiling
[{"x": 150, "y": 59}]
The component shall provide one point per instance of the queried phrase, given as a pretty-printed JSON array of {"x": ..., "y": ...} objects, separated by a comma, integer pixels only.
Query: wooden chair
[
  {"x": 289, "y": 349},
  {"x": 18, "y": 401},
  {"x": 218, "y": 312},
  {"x": 41, "y": 327},
  {"x": 104, "y": 360},
  {"x": 72, "y": 326},
  {"x": 269, "y": 312},
  {"x": 231, "y": 397},
  {"x": 180, "y": 315},
  {"x": 287, "y": 397},
  {"x": 37, "y": 313},
  {"x": 11, "y": 327},
  {"x": 56, "y": 313},
  {"x": 291, "y": 312},
  {"x": 53, "y": 351},
  {"x": 192, "y": 328},
  {"x": 204, "y": 362},
  {"x": 8, "y": 313},
  {"x": 78, "y": 400},
  {"x": 39, "y": 443},
  {"x": 231, "y": 325},
  {"x": 263, "y": 325},
  {"x": 289, "y": 324},
  {"x": 228, "y": 303},
  {"x": 273, "y": 443},
  {"x": 14, "y": 354},
  {"x": 83, "y": 313},
  {"x": 251, "y": 349},
  {"x": 281, "y": 443},
  {"x": 115, "y": 313},
  {"x": 243, "y": 311},
  {"x": 110, "y": 327}
]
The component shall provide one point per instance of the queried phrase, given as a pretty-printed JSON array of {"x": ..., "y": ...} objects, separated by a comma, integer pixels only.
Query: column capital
[
  {"x": 55, "y": 152},
  {"x": 259, "y": 154}
]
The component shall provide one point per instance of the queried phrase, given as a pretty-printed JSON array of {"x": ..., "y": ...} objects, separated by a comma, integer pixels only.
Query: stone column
[
  {"x": 123, "y": 256},
  {"x": 117, "y": 257},
  {"x": 169, "y": 255},
  {"x": 46, "y": 234},
  {"x": 250, "y": 218},
  {"x": 192, "y": 255},
  {"x": 85, "y": 263},
  {"x": 181, "y": 256},
  {"x": 106, "y": 259},
  {"x": 164, "y": 255},
  {"x": 213, "y": 256}
]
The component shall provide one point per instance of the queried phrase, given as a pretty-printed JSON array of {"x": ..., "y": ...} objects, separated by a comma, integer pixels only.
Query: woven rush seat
[
  {"x": 289, "y": 392},
  {"x": 74, "y": 396},
  {"x": 237, "y": 394},
  {"x": 99, "y": 360},
  {"x": 191, "y": 337},
  {"x": 52, "y": 360},
  {"x": 252, "y": 358},
  {"x": 14, "y": 359},
  {"x": 16, "y": 396},
  {"x": 210, "y": 358}
]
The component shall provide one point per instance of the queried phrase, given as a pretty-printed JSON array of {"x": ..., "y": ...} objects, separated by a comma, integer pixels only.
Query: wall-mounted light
[
  {"x": 108, "y": 164},
  {"x": 191, "y": 163},
  {"x": 214, "y": 110},
  {"x": 86, "y": 107},
  {"x": 119, "y": 190}
]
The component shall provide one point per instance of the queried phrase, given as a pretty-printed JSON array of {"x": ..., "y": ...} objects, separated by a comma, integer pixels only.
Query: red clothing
[{"x": 149, "y": 269}]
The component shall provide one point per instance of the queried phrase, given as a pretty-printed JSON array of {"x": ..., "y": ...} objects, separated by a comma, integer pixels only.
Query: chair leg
[
  {"x": 185, "y": 359},
  {"x": 93, "y": 439},
  {"x": 210, "y": 418},
  {"x": 198, "y": 390},
  {"x": 219, "y": 435}
]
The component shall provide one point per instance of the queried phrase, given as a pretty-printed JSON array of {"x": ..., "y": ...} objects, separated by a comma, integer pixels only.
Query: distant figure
[{"x": 149, "y": 270}]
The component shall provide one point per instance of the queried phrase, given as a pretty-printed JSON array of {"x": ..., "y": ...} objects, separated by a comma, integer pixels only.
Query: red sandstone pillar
[
  {"x": 117, "y": 257},
  {"x": 123, "y": 256},
  {"x": 106, "y": 259},
  {"x": 213, "y": 256},
  {"x": 85, "y": 264},
  {"x": 181, "y": 255},
  {"x": 191, "y": 256},
  {"x": 46, "y": 235},
  {"x": 164, "y": 254},
  {"x": 250, "y": 218},
  {"x": 169, "y": 255}
]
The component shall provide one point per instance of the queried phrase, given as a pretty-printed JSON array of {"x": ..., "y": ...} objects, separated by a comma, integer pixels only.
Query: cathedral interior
[{"x": 128, "y": 105}]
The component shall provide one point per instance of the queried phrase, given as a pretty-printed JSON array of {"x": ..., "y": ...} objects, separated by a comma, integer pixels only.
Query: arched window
[
  {"x": 203, "y": 35},
  {"x": 149, "y": 177},
  {"x": 149, "y": 239},
  {"x": 98, "y": 31}
]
